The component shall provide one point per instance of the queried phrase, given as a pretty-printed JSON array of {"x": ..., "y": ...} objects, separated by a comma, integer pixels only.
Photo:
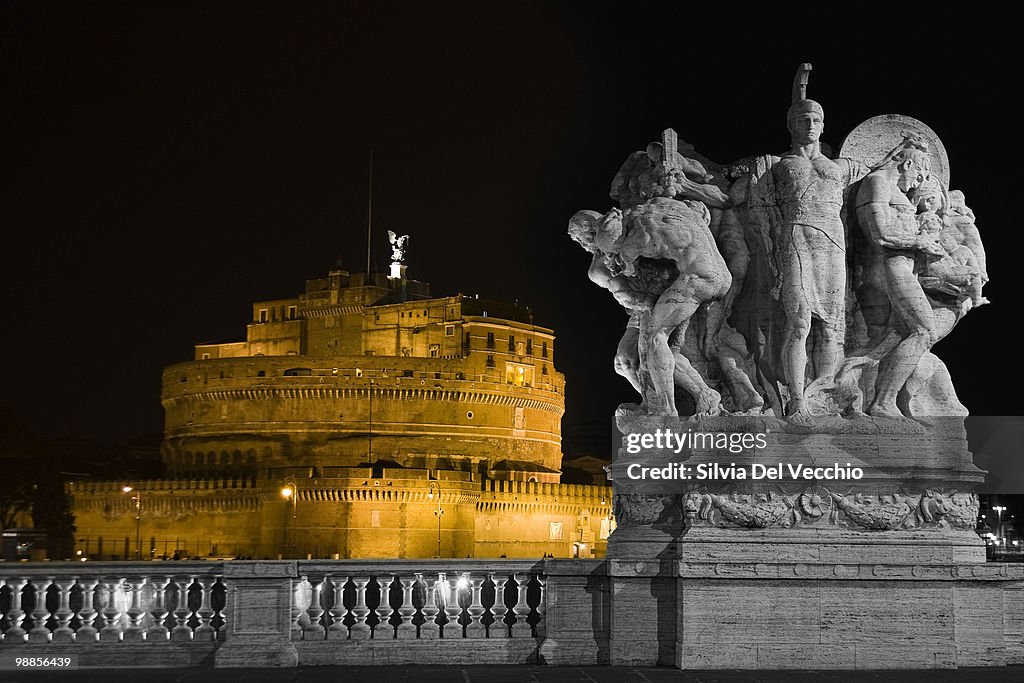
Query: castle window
[
  {"x": 490, "y": 361},
  {"x": 264, "y": 315},
  {"x": 529, "y": 347},
  {"x": 490, "y": 340},
  {"x": 544, "y": 350},
  {"x": 206, "y": 356},
  {"x": 449, "y": 330},
  {"x": 511, "y": 344},
  {"x": 261, "y": 373},
  {"x": 518, "y": 375},
  {"x": 544, "y": 369},
  {"x": 292, "y": 311},
  {"x": 435, "y": 350}
]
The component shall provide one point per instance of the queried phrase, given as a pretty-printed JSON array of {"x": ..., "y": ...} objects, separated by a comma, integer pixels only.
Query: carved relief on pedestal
[{"x": 633, "y": 510}]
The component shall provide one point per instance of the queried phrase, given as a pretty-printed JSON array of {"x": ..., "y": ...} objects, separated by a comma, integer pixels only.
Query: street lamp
[
  {"x": 290, "y": 493},
  {"x": 434, "y": 487},
  {"x": 999, "y": 510},
  {"x": 137, "y": 502}
]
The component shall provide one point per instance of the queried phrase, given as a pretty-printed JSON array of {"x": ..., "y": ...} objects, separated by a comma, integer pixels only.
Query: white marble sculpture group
[{"x": 807, "y": 284}]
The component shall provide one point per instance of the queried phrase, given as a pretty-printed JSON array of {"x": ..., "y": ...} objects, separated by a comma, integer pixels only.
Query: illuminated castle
[{"x": 362, "y": 418}]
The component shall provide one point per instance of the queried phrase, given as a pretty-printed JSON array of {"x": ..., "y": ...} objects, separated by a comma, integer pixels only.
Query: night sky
[{"x": 167, "y": 165}]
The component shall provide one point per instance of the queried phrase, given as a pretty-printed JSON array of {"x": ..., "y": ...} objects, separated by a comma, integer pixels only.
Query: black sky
[{"x": 166, "y": 165}]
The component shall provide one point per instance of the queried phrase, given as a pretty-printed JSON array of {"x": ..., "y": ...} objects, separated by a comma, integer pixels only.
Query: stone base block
[
  {"x": 454, "y": 651},
  {"x": 246, "y": 653},
  {"x": 145, "y": 654},
  {"x": 831, "y": 545},
  {"x": 879, "y": 620}
]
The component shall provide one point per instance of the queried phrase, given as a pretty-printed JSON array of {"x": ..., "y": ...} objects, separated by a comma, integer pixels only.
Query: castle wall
[{"x": 343, "y": 517}]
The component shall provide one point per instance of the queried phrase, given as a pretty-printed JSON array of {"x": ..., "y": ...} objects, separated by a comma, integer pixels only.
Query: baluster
[
  {"x": 338, "y": 630},
  {"x": 498, "y": 628},
  {"x": 452, "y": 610},
  {"x": 429, "y": 629},
  {"x": 64, "y": 633},
  {"x": 111, "y": 631},
  {"x": 87, "y": 633},
  {"x": 39, "y": 632},
  {"x": 181, "y": 632},
  {"x": 384, "y": 629},
  {"x": 205, "y": 630},
  {"x": 521, "y": 609},
  {"x": 407, "y": 629},
  {"x": 360, "y": 630},
  {"x": 158, "y": 610},
  {"x": 16, "y": 634},
  {"x": 475, "y": 628},
  {"x": 314, "y": 630},
  {"x": 134, "y": 632},
  {"x": 539, "y": 624},
  {"x": 301, "y": 598}
]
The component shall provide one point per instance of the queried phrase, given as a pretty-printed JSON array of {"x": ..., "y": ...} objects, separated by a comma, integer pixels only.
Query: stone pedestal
[
  {"x": 259, "y": 626},
  {"x": 880, "y": 571}
]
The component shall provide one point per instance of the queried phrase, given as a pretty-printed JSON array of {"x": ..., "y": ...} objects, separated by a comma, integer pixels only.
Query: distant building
[{"x": 369, "y": 402}]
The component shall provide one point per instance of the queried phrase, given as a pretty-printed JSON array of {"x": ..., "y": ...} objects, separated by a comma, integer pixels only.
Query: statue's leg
[
  {"x": 794, "y": 346},
  {"x": 911, "y": 305},
  {"x": 673, "y": 310},
  {"x": 828, "y": 353},
  {"x": 627, "y": 356}
]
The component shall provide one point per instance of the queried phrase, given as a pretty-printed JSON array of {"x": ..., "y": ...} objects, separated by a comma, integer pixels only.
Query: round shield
[{"x": 871, "y": 140}]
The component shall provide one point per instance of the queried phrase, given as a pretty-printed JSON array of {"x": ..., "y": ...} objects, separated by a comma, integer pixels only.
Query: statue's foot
[
  {"x": 886, "y": 410},
  {"x": 709, "y": 403},
  {"x": 802, "y": 418}
]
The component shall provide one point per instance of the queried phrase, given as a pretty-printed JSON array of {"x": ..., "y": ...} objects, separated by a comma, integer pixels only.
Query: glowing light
[
  {"x": 126, "y": 489},
  {"x": 287, "y": 492},
  {"x": 462, "y": 583}
]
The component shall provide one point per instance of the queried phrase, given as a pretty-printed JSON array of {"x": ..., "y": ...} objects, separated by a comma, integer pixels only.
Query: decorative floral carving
[
  {"x": 637, "y": 510},
  {"x": 876, "y": 512},
  {"x": 757, "y": 510},
  {"x": 952, "y": 509}
]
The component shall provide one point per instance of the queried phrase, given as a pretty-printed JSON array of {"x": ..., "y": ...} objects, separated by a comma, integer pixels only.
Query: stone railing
[
  {"x": 153, "y": 614},
  {"x": 286, "y": 613},
  {"x": 414, "y": 611}
]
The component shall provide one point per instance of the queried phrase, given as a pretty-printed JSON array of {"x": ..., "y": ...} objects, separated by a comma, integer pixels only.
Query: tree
[
  {"x": 32, "y": 480},
  {"x": 18, "y": 449}
]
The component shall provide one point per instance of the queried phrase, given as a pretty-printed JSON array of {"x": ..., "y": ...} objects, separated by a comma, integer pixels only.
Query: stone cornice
[
  {"x": 262, "y": 393},
  {"x": 839, "y": 572}
]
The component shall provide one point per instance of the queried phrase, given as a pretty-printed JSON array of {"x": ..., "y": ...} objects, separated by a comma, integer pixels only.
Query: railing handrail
[{"x": 128, "y": 569}]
